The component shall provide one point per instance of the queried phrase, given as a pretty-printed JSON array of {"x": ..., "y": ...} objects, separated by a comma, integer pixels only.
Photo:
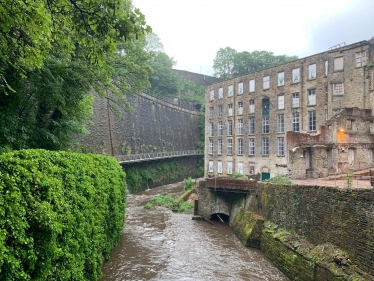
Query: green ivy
[{"x": 60, "y": 212}]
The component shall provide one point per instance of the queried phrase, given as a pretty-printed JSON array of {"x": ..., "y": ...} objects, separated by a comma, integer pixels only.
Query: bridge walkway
[{"x": 134, "y": 158}]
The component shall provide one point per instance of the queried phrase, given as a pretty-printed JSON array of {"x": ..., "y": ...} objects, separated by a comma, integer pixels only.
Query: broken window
[{"x": 361, "y": 59}]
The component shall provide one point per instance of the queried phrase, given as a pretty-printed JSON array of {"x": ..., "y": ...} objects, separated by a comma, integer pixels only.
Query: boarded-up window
[
  {"x": 266, "y": 81},
  {"x": 251, "y": 86},
  {"x": 338, "y": 63},
  {"x": 361, "y": 59}
]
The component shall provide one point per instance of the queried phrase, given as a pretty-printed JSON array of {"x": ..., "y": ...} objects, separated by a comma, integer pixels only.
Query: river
[{"x": 159, "y": 244}]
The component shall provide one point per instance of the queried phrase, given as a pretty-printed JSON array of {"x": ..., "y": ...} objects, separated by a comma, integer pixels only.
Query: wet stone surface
[{"x": 161, "y": 245}]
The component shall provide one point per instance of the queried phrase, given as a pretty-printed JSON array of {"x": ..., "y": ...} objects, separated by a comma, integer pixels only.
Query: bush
[
  {"x": 188, "y": 184},
  {"x": 149, "y": 206},
  {"x": 280, "y": 179},
  {"x": 238, "y": 175},
  {"x": 59, "y": 213}
]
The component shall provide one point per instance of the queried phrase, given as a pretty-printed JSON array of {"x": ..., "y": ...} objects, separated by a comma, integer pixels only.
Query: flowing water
[{"x": 162, "y": 245}]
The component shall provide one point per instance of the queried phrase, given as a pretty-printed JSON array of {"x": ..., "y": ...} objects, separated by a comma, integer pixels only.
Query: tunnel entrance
[{"x": 219, "y": 217}]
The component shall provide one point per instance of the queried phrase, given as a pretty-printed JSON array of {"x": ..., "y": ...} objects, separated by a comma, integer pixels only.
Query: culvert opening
[{"x": 219, "y": 217}]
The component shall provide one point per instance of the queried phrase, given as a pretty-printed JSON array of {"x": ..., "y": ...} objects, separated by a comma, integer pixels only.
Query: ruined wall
[{"x": 153, "y": 126}]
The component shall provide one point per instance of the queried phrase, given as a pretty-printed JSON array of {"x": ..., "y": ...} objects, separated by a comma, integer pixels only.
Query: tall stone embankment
[{"x": 309, "y": 232}]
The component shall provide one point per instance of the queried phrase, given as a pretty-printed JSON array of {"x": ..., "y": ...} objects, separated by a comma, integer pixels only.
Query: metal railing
[
  {"x": 303, "y": 177},
  {"x": 132, "y": 158}
]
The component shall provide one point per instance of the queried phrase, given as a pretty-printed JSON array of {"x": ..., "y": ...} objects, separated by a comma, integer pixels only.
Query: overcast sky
[{"x": 192, "y": 31}]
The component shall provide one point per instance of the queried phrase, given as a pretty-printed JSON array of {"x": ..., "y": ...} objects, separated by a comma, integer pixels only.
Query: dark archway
[{"x": 219, "y": 217}]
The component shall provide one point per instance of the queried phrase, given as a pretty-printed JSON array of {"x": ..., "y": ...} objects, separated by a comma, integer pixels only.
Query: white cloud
[{"x": 193, "y": 31}]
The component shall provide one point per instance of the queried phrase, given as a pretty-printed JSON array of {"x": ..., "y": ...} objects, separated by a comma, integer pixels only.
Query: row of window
[
  {"x": 251, "y": 146},
  {"x": 265, "y": 125},
  {"x": 229, "y": 167},
  {"x": 361, "y": 60},
  {"x": 295, "y": 103}
]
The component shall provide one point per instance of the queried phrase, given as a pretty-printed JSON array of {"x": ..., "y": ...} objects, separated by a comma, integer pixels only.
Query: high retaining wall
[
  {"x": 325, "y": 226},
  {"x": 154, "y": 126}
]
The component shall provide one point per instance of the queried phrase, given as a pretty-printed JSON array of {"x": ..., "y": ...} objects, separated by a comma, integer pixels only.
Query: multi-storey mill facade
[{"x": 287, "y": 118}]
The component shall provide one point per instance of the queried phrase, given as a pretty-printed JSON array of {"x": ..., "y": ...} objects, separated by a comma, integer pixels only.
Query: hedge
[{"x": 60, "y": 214}]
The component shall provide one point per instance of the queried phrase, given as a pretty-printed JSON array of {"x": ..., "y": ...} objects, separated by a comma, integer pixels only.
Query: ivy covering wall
[{"x": 60, "y": 213}]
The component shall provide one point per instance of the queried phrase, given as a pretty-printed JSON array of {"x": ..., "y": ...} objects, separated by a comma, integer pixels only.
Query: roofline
[{"x": 347, "y": 47}]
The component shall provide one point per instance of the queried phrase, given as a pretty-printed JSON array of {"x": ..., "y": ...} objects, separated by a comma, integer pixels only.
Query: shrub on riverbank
[
  {"x": 168, "y": 201},
  {"x": 59, "y": 213}
]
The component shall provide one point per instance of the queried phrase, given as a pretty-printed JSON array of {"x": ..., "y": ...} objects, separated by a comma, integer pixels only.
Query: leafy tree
[
  {"x": 164, "y": 81},
  {"x": 30, "y": 30},
  {"x": 50, "y": 104},
  {"x": 224, "y": 62},
  {"x": 246, "y": 62},
  {"x": 154, "y": 43}
]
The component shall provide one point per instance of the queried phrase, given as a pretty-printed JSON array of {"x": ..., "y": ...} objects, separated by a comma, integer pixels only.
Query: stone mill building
[{"x": 305, "y": 118}]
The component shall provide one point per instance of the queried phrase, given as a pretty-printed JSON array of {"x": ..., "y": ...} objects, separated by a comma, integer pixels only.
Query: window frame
[
  {"x": 229, "y": 128},
  {"x": 266, "y": 82},
  {"x": 359, "y": 56},
  {"x": 311, "y": 93},
  {"x": 251, "y": 106},
  {"x": 252, "y": 85},
  {"x": 240, "y": 127},
  {"x": 240, "y": 147},
  {"x": 280, "y": 123},
  {"x": 240, "y": 107},
  {"x": 251, "y": 147},
  {"x": 312, "y": 68},
  {"x": 281, "y": 79},
  {"x": 229, "y": 109},
  {"x": 220, "y": 110},
  {"x": 240, "y": 88},
  {"x": 295, "y": 74},
  {"x": 220, "y": 147},
  {"x": 280, "y": 102},
  {"x": 265, "y": 125},
  {"x": 295, "y": 97},
  {"x": 211, "y": 129},
  {"x": 211, "y": 112},
  {"x": 211, "y": 147},
  {"x": 230, "y": 90},
  {"x": 265, "y": 146},
  {"x": 295, "y": 122},
  {"x": 211, "y": 95},
  {"x": 251, "y": 125},
  {"x": 312, "y": 121},
  {"x": 229, "y": 146},
  {"x": 280, "y": 141},
  {"x": 220, "y": 129},
  {"x": 338, "y": 89}
]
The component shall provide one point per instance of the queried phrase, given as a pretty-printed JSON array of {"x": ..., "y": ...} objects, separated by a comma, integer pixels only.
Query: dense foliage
[
  {"x": 53, "y": 55},
  {"x": 230, "y": 63},
  {"x": 59, "y": 213}
]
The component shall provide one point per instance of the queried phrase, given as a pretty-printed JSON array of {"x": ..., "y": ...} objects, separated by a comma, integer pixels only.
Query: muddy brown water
[{"x": 162, "y": 245}]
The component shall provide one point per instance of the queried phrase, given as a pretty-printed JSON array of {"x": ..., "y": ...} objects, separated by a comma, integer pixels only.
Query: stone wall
[
  {"x": 334, "y": 220},
  {"x": 153, "y": 126},
  {"x": 342, "y": 217}
]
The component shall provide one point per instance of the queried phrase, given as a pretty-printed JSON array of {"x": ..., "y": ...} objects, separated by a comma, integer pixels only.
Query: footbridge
[{"x": 134, "y": 158}]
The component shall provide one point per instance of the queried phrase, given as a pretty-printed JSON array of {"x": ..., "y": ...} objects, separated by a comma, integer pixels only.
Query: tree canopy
[
  {"x": 53, "y": 54},
  {"x": 224, "y": 62},
  {"x": 228, "y": 62}
]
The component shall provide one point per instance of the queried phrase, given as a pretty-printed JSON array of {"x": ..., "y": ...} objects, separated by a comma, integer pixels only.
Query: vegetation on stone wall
[
  {"x": 60, "y": 212},
  {"x": 142, "y": 176}
]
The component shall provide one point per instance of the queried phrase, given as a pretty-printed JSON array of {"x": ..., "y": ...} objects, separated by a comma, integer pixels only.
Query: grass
[{"x": 168, "y": 201}]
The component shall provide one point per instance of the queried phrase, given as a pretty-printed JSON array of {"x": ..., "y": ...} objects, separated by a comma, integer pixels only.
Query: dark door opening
[{"x": 219, "y": 217}]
